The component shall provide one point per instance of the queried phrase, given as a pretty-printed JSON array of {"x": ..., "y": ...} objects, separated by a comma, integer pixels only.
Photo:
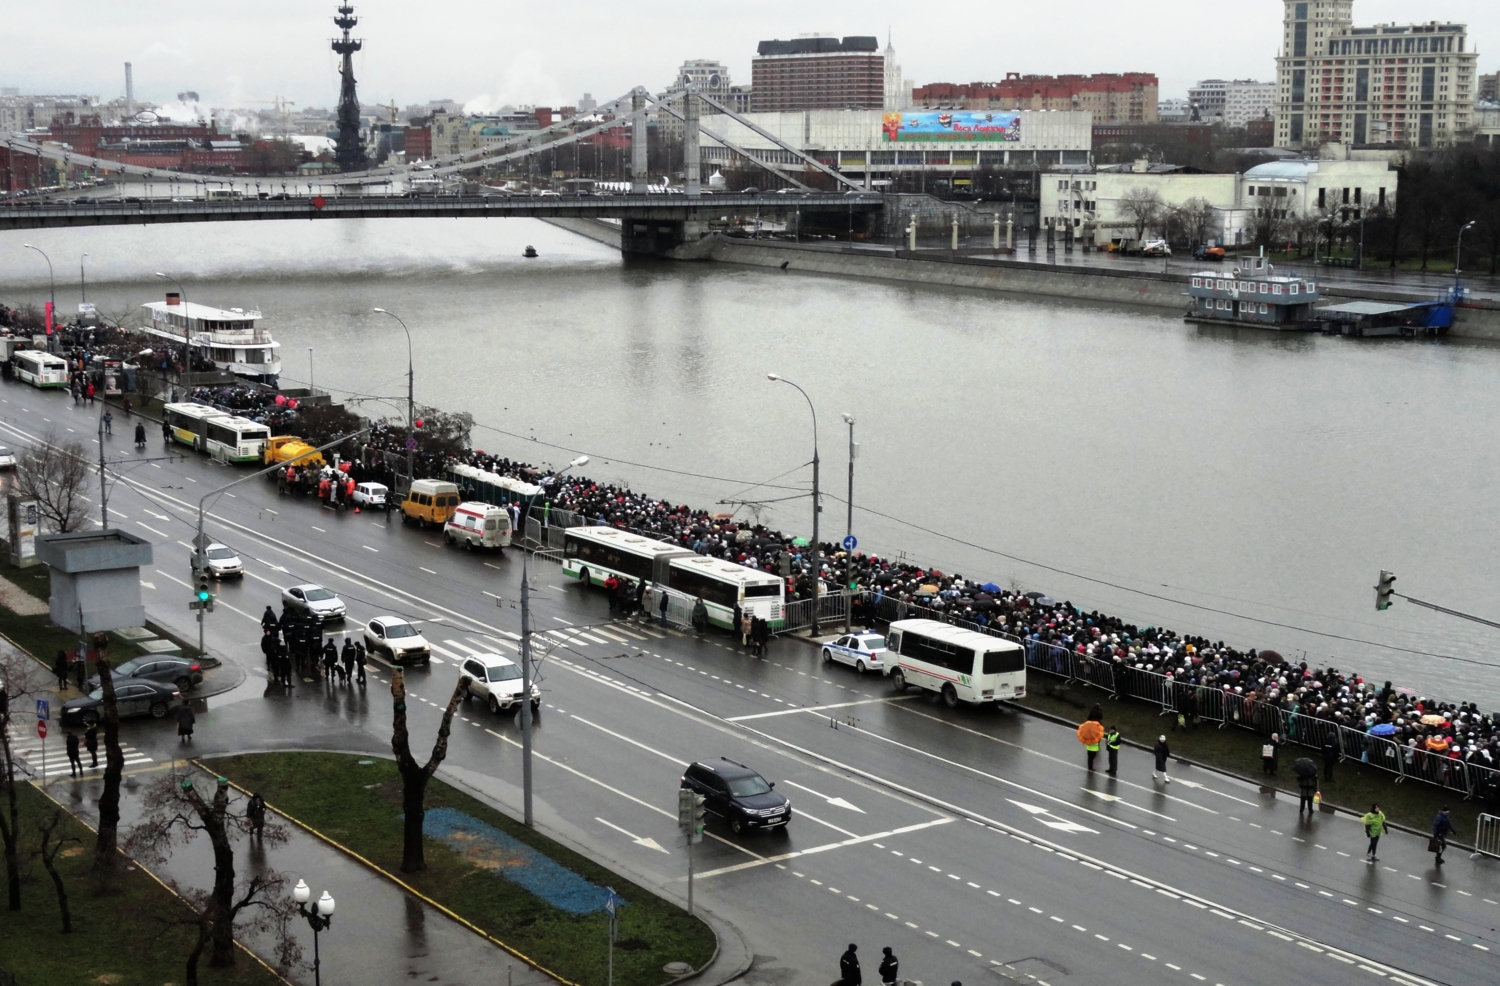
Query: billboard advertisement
[{"x": 951, "y": 125}]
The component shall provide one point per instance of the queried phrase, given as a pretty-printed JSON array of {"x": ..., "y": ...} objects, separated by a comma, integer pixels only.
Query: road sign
[
  {"x": 411, "y": 445},
  {"x": 609, "y": 902},
  {"x": 43, "y": 710},
  {"x": 202, "y": 540},
  {"x": 850, "y": 542},
  {"x": 41, "y": 728}
]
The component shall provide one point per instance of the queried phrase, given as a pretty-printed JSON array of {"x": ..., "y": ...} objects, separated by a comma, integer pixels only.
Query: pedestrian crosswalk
[
  {"x": 29, "y": 752},
  {"x": 613, "y": 634}
]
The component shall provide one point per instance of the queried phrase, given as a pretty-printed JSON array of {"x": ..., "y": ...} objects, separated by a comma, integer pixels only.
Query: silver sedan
[{"x": 309, "y": 598}]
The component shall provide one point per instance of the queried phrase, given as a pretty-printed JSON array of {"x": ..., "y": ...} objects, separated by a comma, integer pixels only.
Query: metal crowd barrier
[{"x": 1487, "y": 837}]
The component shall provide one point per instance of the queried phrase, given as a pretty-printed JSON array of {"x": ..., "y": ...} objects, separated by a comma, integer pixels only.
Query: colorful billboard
[{"x": 950, "y": 125}]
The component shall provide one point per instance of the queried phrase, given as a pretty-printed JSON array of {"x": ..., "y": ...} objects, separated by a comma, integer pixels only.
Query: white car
[
  {"x": 863, "y": 651},
  {"x": 7, "y": 458},
  {"x": 398, "y": 640},
  {"x": 370, "y": 494},
  {"x": 497, "y": 680},
  {"x": 221, "y": 561},
  {"x": 309, "y": 598}
]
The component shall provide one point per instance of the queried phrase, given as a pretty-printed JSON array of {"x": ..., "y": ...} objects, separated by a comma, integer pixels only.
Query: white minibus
[{"x": 961, "y": 665}]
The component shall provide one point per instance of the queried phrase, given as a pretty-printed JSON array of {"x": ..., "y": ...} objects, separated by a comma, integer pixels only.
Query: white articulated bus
[
  {"x": 961, "y": 665},
  {"x": 216, "y": 433},
  {"x": 40, "y": 369},
  {"x": 593, "y": 554},
  {"x": 722, "y": 585}
]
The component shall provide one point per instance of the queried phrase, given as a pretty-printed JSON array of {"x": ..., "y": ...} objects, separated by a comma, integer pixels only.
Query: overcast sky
[{"x": 486, "y": 54}]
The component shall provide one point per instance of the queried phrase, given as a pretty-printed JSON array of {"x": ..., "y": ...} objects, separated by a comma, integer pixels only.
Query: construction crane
[{"x": 390, "y": 106}]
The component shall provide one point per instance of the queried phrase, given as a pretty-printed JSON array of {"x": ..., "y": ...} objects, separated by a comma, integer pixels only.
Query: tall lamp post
[
  {"x": 319, "y": 917},
  {"x": 817, "y": 567},
  {"x": 849, "y": 503},
  {"x": 411, "y": 406},
  {"x": 1458, "y": 253},
  {"x": 83, "y": 289},
  {"x": 187, "y": 345},
  {"x": 52, "y": 281}
]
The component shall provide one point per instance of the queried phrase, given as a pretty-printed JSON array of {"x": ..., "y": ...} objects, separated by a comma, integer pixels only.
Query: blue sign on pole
[
  {"x": 609, "y": 903},
  {"x": 43, "y": 710},
  {"x": 850, "y": 542}
]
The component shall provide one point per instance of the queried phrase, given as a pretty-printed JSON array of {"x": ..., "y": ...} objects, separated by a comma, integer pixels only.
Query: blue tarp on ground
[{"x": 491, "y": 849}]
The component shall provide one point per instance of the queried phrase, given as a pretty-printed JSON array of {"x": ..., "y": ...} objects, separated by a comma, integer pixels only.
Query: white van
[{"x": 478, "y": 525}]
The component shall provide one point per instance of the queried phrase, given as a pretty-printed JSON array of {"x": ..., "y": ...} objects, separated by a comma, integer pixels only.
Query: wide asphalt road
[{"x": 972, "y": 841}]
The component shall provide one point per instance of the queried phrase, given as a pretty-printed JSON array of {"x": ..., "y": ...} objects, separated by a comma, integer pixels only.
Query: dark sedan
[
  {"x": 168, "y": 669},
  {"x": 133, "y": 697}
]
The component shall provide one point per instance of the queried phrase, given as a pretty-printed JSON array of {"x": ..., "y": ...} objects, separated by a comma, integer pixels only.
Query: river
[{"x": 1238, "y": 484}]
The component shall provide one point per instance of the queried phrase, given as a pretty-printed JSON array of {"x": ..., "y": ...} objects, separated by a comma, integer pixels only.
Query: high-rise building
[
  {"x": 587, "y": 104},
  {"x": 1404, "y": 85},
  {"x": 818, "y": 73},
  {"x": 705, "y": 74},
  {"x": 897, "y": 89},
  {"x": 1234, "y": 103},
  {"x": 1127, "y": 98},
  {"x": 1489, "y": 88}
]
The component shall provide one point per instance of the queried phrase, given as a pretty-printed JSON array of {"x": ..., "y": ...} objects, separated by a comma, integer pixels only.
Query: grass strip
[
  {"x": 1355, "y": 785},
  {"x": 125, "y": 937},
  {"x": 358, "y": 805}
]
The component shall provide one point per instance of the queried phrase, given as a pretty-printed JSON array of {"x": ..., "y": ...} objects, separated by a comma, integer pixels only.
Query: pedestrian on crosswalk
[
  {"x": 91, "y": 743},
  {"x": 75, "y": 765}
]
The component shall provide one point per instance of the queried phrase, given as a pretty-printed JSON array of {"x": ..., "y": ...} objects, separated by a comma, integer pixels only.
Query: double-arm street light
[
  {"x": 411, "y": 406},
  {"x": 1458, "y": 253},
  {"x": 319, "y": 917},
  {"x": 50, "y": 280},
  {"x": 817, "y": 567}
]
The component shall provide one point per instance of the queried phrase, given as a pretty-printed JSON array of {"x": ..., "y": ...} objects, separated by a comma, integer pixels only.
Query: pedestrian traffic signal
[{"x": 1384, "y": 591}]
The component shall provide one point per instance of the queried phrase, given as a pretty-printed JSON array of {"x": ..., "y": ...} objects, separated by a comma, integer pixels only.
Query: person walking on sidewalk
[
  {"x": 91, "y": 743},
  {"x": 255, "y": 814},
  {"x": 109, "y": 424},
  {"x": 60, "y": 668},
  {"x": 185, "y": 720},
  {"x": 849, "y": 974},
  {"x": 1268, "y": 753},
  {"x": 1161, "y": 751},
  {"x": 889, "y": 967},
  {"x": 1090, "y": 733},
  {"x": 1442, "y": 827},
  {"x": 1374, "y": 821},
  {"x": 1112, "y": 747},
  {"x": 75, "y": 765},
  {"x": 1330, "y": 754}
]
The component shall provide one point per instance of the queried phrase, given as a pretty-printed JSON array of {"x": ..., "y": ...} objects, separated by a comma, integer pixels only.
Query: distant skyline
[{"x": 488, "y": 55}]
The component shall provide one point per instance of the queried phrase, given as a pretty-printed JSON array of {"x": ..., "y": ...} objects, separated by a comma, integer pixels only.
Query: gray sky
[{"x": 237, "y": 53}]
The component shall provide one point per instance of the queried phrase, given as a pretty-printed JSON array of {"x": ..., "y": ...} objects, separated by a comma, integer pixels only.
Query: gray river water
[{"x": 1238, "y": 484}]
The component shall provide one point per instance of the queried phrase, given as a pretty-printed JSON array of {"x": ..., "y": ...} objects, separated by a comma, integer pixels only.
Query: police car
[{"x": 864, "y": 651}]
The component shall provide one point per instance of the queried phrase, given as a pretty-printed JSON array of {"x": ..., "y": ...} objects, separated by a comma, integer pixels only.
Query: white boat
[{"x": 229, "y": 338}]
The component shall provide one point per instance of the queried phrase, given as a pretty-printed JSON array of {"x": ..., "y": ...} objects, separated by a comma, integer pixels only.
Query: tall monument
[{"x": 349, "y": 151}]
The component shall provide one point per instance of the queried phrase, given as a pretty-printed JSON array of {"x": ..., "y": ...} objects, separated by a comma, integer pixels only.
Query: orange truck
[{"x": 291, "y": 450}]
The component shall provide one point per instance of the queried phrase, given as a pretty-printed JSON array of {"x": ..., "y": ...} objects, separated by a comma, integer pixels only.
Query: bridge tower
[{"x": 349, "y": 150}]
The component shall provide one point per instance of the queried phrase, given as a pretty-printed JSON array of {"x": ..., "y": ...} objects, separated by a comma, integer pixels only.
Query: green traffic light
[{"x": 203, "y": 595}]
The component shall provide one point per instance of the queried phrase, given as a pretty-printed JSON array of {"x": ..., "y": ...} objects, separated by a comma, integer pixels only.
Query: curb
[
  {"x": 165, "y": 886},
  {"x": 1327, "y": 808}
]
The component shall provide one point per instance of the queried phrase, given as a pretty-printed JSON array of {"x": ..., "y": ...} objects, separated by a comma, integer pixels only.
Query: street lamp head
[
  {"x": 300, "y": 893},
  {"x": 772, "y": 376},
  {"x": 580, "y": 461},
  {"x": 380, "y": 310},
  {"x": 849, "y": 417},
  {"x": 325, "y": 904}
]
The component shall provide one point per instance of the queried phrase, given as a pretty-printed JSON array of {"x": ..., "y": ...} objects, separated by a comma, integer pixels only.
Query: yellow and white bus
[
  {"x": 961, "y": 665},
  {"x": 40, "y": 369},
  {"x": 215, "y": 433}
]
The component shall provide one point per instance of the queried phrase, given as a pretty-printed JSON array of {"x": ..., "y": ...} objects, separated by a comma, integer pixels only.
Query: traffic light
[
  {"x": 202, "y": 598},
  {"x": 690, "y": 814},
  {"x": 1384, "y": 591}
]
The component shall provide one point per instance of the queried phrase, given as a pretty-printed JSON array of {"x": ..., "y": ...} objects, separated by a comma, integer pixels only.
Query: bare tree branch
[
  {"x": 54, "y": 473},
  {"x": 414, "y": 776}
]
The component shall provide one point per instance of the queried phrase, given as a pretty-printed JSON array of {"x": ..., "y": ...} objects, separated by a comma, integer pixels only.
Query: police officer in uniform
[{"x": 1112, "y": 744}]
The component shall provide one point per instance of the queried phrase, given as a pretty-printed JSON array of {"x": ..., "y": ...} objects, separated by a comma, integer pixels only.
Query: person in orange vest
[{"x": 1090, "y": 734}]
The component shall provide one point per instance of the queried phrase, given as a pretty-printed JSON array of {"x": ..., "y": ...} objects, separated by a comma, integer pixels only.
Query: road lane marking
[
  {"x": 818, "y": 708},
  {"x": 823, "y": 848}
]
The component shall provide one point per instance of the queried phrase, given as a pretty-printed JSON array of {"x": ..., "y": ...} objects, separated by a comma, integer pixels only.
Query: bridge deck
[{"x": 35, "y": 214}]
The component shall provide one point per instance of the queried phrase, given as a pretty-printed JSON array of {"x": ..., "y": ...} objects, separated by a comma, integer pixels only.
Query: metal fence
[
  {"x": 1199, "y": 703},
  {"x": 832, "y": 608},
  {"x": 1487, "y": 837}
]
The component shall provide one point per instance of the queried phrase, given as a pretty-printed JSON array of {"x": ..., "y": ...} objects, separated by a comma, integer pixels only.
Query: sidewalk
[{"x": 380, "y": 933}]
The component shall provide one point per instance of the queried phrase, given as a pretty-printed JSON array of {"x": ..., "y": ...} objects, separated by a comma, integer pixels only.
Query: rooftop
[
  {"x": 197, "y": 311},
  {"x": 818, "y": 46}
]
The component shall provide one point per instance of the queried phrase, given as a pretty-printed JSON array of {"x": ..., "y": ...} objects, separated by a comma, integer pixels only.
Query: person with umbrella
[
  {"x": 1307, "y": 784},
  {"x": 1090, "y": 733}
]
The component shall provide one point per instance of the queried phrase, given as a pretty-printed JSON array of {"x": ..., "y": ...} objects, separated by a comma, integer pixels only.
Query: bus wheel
[
  {"x": 950, "y": 696},
  {"x": 898, "y": 680}
]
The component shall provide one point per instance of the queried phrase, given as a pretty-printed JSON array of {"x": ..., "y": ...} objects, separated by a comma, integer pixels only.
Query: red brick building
[
  {"x": 817, "y": 74},
  {"x": 1113, "y": 98}
]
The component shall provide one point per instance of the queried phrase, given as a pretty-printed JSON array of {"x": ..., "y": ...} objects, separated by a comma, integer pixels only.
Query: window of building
[
  {"x": 1424, "y": 130},
  {"x": 1428, "y": 73},
  {"x": 1299, "y": 85},
  {"x": 1299, "y": 39},
  {"x": 1296, "y": 128}
]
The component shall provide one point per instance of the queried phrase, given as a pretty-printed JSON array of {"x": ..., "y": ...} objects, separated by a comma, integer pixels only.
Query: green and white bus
[
  {"x": 722, "y": 585},
  {"x": 593, "y": 554},
  {"x": 211, "y": 431},
  {"x": 40, "y": 369}
]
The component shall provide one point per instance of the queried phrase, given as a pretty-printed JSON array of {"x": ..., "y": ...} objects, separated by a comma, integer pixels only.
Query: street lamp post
[
  {"x": 83, "y": 290},
  {"x": 51, "y": 281},
  {"x": 319, "y": 917},
  {"x": 411, "y": 406},
  {"x": 817, "y": 567},
  {"x": 187, "y": 345},
  {"x": 849, "y": 503},
  {"x": 1458, "y": 253}
]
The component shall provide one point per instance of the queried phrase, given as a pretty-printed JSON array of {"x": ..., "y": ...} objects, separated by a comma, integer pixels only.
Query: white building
[
  {"x": 705, "y": 75},
  {"x": 1092, "y": 202},
  {"x": 1232, "y": 102},
  {"x": 1394, "y": 85},
  {"x": 897, "y": 88},
  {"x": 1174, "y": 111}
]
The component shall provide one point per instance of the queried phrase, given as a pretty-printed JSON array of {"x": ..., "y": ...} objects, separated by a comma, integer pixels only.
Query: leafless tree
[
  {"x": 414, "y": 776},
  {"x": 17, "y": 673},
  {"x": 175, "y": 814},
  {"x": 55, "y": 473},
  {"x": 105, "y": 844},
  {"x": 1143, "y": 207},
  {"x": 52, "y": 843}
]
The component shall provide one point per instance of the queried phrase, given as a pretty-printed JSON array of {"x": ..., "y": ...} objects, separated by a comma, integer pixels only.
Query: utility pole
[
  {"x": 103, "y": 486},
  {"x": 849, "y": 504},
  {"x": 526, "y": 692}
]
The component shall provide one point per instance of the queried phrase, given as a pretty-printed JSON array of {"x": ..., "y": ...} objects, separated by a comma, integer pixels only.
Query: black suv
[{"x": 737, "y": 794}]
